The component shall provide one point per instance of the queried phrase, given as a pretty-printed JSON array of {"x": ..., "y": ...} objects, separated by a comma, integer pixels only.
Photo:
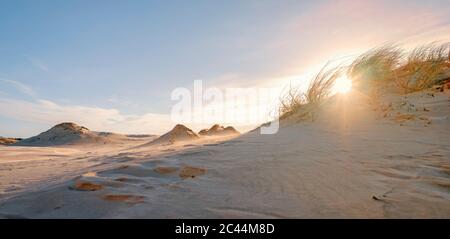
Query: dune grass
[
  {"x": 305, "y": 103},
  {"x": 389, "y": 65},
  {"x": 373, "y": 72},
  {"x": 423, "y": 67},
  {"x": 321, "y": 86},
  {"x": 292, "y": 101},
  {"x": 375, "y": 68}
]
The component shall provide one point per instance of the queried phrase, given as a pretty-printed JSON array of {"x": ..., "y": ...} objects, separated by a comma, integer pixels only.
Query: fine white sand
[{"x": 356, "y": 160}]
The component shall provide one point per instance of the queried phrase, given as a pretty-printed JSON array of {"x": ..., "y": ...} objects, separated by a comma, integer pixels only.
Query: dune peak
[
  {"x": 178, "y": 133},
  {"x": 217, "y": 129}
]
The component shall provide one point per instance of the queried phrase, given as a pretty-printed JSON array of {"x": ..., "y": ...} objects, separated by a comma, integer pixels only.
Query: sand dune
[
  {"x": 356, "y": 160},
  {"x": 179, "y": 133},
  {"x": 218, "y": 130}
]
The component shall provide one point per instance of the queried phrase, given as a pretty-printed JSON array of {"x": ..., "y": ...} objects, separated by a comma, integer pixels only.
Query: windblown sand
[{"x": 356, "y": 160}]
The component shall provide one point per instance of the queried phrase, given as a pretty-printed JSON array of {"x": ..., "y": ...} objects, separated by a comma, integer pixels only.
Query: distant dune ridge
[
  {"x": 181, "y": 133},
  {"x": 72, "y": 134},
  {"x": 218, "y": 130},
  {"x": 69, "y": 133}
]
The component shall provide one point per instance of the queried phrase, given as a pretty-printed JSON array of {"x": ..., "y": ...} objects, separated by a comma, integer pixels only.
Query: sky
[{"x": 112, "y": 65}]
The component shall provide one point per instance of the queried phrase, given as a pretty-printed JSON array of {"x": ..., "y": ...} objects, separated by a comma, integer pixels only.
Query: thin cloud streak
[
  {"x": 23, "y": 88},
  {"x": 96, "y": 118}
]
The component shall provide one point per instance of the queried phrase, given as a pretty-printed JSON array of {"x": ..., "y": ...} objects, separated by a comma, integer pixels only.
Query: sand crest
[{"x": 179, "y": 133}]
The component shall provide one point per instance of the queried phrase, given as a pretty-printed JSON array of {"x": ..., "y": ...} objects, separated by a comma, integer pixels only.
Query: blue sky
[{"x": 111, "y": 65}]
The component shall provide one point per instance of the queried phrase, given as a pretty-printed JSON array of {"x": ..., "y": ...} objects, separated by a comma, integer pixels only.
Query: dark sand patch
[
  {"x": 86, "y": 186},
  {"x": 191, "y": 172}
]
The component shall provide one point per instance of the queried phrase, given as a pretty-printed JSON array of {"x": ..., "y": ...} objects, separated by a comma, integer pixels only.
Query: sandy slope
[
  {"x": 355, "y": 161},
  {"x": 24, "y": 168}
]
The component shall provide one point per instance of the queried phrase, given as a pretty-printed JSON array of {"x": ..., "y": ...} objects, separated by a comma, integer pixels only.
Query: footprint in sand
[
  {"x": 91, "y": 182},
  {"x": 191, "y": 172},
  {"x": 86, "y": 186}
]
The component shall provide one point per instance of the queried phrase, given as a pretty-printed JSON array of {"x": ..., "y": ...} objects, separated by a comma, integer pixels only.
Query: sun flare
[{"x": 343, "y": 85}]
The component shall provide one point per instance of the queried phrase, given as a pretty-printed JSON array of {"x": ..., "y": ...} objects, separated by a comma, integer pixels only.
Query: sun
[{"x": 343, "y": 85}]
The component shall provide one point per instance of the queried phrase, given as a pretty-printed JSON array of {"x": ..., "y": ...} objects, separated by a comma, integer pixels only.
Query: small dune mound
[
  {"x": 178, "y": 134},
  {"x": 191, "y": 172},
  {"x": 218, "y": 130},
  {"x": 7, "y": 141},
  {"x": 64, "y": 133},
  {"x": 128, "y": 198}
]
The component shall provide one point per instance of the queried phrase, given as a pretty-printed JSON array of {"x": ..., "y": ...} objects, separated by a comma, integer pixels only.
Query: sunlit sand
[{"x": 354, "y": 161}]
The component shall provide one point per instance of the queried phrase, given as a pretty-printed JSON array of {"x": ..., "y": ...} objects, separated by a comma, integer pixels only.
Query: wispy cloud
[
  {"x": 38, "y": 63},
  {"x": 96, "y": 118},
  {"x": 120, "y": 101},
  {"x": 23, "y": 88}
]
